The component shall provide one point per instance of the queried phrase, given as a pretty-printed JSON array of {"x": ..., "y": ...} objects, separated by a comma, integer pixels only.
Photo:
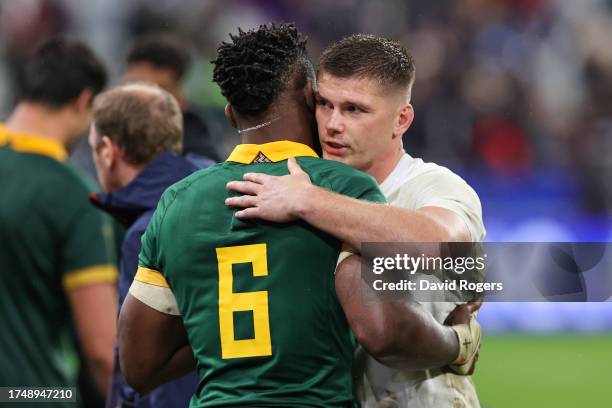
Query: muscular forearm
[
  {"x": 419, "y": 341},
  {"x": 399, "y": 334},
  {"x": 355, "y": 221}
]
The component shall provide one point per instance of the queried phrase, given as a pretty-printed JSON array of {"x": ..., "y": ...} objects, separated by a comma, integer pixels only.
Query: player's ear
[
  {"x": 404, "y": 119},
  {"x": 229, "y": 114},
  {"x": 108, "y": 152}
]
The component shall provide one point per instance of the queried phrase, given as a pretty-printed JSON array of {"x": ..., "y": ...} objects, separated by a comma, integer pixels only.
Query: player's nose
[{"x": 334, "y": 122}]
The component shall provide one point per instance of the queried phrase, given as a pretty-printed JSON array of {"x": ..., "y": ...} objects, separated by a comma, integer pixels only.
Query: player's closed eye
[{"x": 354, "y": 109}]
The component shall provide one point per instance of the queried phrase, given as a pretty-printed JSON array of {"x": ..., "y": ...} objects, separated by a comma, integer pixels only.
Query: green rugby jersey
[
  {"x": 51, "y": 240},
  {"x": 257, "y": 299}
]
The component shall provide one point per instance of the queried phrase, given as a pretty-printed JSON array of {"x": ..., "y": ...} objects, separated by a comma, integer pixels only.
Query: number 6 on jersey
[{"x": 230, "y": 302}]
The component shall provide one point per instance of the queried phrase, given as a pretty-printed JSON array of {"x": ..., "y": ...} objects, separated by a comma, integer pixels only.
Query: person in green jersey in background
[
  {"x": 56, "y": 252},
  {"x": 256, "y": 302}
]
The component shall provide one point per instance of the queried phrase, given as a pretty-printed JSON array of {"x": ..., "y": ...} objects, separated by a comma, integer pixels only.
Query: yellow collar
[
  {"x": 275, "y": 151},
  {"x": 29, "y": 143}
]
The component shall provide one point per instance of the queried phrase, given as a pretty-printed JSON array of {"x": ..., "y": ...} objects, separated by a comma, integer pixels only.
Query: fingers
[
  {"x": 245, "y": 201},
  {"x": 293, "y": 166},
  {"x": 251, "y": 212},
  {"x": 460, "y": 314},
  {"x": 473, "y": 367},
  {"x": 258, "y": 178},
  {"x": 244, "y": 187}
]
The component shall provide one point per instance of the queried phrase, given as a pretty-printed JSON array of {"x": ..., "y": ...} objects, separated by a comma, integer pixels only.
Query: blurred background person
[
  {"x": 57, "y": 254},
  {"x": 163, "y": 59},
  {"x": 136, "y": 138}
]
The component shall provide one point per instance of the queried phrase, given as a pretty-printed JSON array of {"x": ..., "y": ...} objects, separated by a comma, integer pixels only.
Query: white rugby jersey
[{"x": 415, "y": 184}]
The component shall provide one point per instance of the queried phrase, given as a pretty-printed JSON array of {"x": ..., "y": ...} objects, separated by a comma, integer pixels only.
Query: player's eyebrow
[
  {"x": 362, "y": 105},
  {"x": 318, "y": 96},
  {"x": 346, "y": 102}
]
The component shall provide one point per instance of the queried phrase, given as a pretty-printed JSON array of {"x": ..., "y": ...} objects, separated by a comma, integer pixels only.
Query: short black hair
[
  {"x": 369, "y": 56},
  {"x": 258, "y": 65},
  {"x": 163, "y": 50},
  {"x": 58, "y": 71}
]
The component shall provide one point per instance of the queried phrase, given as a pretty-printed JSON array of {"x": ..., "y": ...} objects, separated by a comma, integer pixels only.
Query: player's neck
[
  {"x": 286, "y": 126},
  {"x": 381, "y": 169},
  {"x": 126, "y": 173},
  {"x": 38, "y": 120}
]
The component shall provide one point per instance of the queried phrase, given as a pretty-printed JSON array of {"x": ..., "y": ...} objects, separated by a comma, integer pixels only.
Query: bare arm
[
  {"x": 398, "y": 334},
  {"x": 153, "y": 346},
  {"x": 94, "y": 313},
  {"x": 361, "y": 221},
  {"x": 286, "y": 198}
]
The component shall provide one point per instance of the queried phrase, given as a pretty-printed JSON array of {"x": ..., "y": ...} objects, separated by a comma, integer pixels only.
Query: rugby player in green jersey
[
  {"x": 255, "y": 301},
  {"x": 56, "y": 250}
]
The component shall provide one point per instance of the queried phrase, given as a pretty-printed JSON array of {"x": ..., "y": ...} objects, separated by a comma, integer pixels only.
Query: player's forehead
[
  {"x": 147, "y": 72},
  {"x": 337, "y": 89}
]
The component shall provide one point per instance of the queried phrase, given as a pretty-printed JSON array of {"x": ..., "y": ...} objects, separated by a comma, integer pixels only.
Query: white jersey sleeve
[{"x": 414, "y": 184}]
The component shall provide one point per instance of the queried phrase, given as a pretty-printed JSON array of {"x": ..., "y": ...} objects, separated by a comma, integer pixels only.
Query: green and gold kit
[
  {"x": 51, "y": 241},
  {"x": 257, "y": 299}
]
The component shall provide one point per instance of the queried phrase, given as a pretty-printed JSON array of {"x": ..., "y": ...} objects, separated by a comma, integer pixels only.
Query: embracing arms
[{"x": 286, "y": 198}]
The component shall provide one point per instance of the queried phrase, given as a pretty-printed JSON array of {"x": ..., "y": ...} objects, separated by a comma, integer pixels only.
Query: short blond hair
[{"x": 142, "y": 119}]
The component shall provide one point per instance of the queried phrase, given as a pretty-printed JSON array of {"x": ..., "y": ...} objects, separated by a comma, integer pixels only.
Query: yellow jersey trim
[
  {"x": 89, "y": 276},
  {"x": 275, "y": 151},
  {"x": 151, "y": 276},
  {"x": 30, "y": 143}
]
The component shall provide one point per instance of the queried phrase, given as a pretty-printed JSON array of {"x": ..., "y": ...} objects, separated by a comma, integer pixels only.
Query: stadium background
[{"x": 514, "y": 95}]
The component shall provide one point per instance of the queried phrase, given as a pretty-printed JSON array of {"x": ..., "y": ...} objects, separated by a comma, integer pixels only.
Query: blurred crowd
[{"x": 507, "y": 86}]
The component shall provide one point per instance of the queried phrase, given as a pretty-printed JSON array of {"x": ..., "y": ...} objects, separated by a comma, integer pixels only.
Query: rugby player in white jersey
[{"x": 363, "y": 110}]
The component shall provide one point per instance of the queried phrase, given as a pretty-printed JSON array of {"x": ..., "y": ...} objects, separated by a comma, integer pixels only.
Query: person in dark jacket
[{"x": 135, "y": 137}]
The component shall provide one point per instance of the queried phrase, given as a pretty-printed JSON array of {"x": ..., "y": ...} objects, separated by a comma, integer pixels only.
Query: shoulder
[
  {"x": 332, "y": 172},
  {"x": 49, "y": 168},
  {"x": 342, "y": 179},
  {"x": 415, "y": 167},
  {"x": 195, "y": 179},
  {"x": 419, "y": 177},
  {"x": 191, "y": 187},
  {"x": 422, "y": 184},
  {"x": 52, "y": 181},
  {"x": 61, "y": 177}
]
